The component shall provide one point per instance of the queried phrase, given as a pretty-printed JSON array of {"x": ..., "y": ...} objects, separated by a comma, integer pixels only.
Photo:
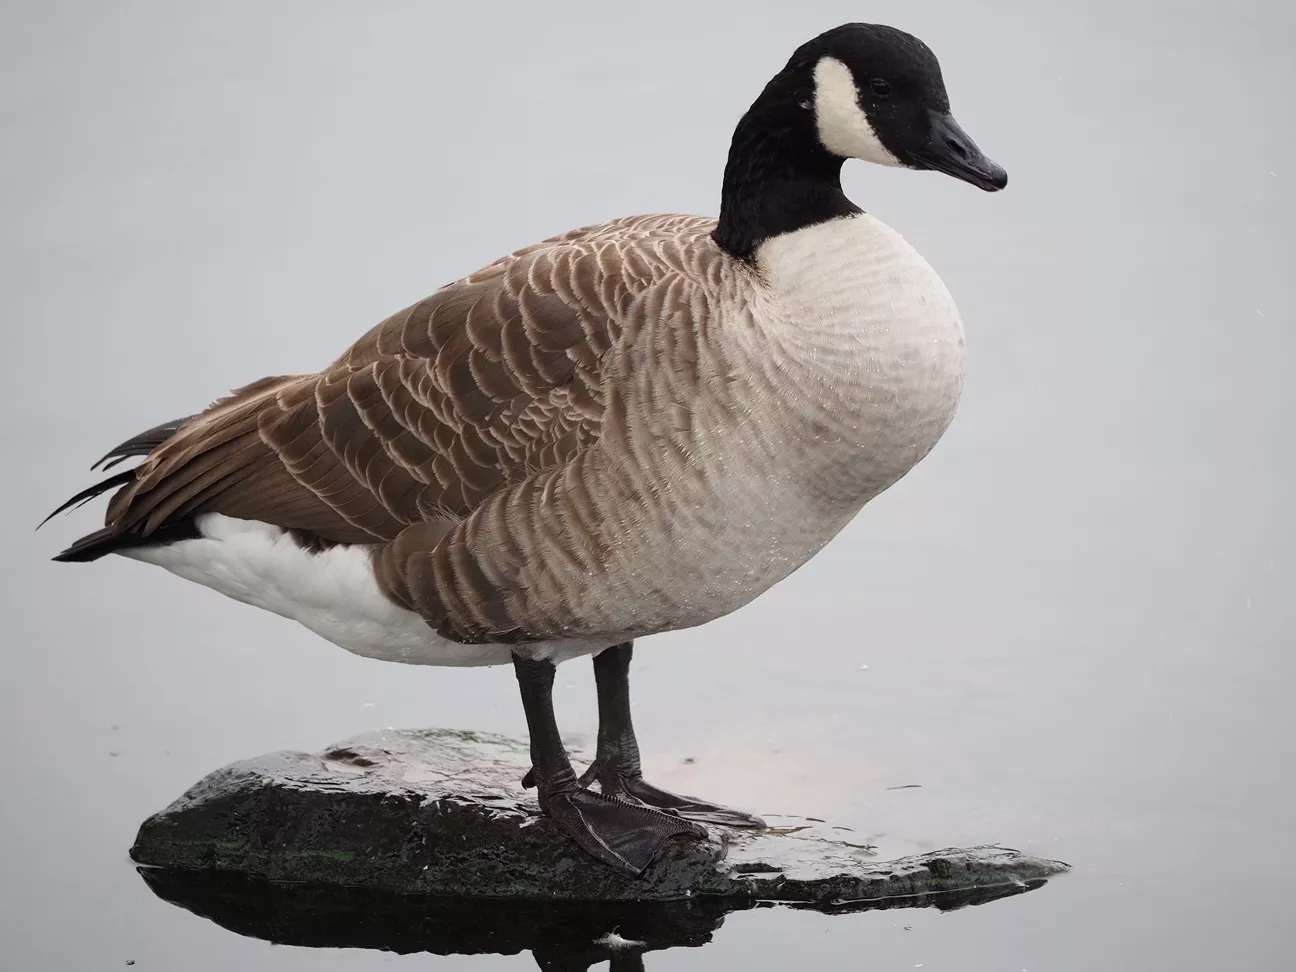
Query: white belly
[{"x": 332, "y": 592}]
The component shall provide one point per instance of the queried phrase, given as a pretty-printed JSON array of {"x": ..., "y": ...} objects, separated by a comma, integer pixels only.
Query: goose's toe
[
  {"x": 638, "y": 790},
  {"x": 623, "y": 835},
  {"x": 691, "y": 808}
]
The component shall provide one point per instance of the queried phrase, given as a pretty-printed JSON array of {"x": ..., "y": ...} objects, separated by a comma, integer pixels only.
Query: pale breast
[
  {"x": 823, "y": 377},
  {"x": 864, "y": 347}
]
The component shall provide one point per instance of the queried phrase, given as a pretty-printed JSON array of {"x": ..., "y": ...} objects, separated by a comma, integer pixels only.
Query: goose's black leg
[
  {"x": 624, "y": 835},
  {"x": 616, "y": 761}
]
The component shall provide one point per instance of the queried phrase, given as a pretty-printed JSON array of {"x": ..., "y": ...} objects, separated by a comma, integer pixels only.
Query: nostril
[{"x": 959, "y": 149}]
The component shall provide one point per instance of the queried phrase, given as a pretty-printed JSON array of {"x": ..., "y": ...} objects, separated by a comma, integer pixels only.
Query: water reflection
[{"x": 561, "y": 936}]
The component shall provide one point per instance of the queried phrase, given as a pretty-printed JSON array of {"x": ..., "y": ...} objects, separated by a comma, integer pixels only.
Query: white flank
[
  {"x": 332, "y": 592},
  {"x": 844, "y": 129}
]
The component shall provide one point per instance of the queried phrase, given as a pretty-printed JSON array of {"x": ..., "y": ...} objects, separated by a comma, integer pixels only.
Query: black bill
[{"x": 952, "y": 151}]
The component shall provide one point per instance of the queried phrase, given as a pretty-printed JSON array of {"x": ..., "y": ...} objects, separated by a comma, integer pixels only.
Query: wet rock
[{"x": 442, "y": 812}]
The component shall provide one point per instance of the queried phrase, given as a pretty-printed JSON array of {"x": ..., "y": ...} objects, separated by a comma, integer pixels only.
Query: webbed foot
[{"x": 627, "y": 836}]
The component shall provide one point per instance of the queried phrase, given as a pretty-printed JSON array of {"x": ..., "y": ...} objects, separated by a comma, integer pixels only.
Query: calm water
[{"x": 1076, "y": 615}]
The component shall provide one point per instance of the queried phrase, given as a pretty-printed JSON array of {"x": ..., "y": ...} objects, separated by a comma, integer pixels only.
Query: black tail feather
[
  {"x": 142, "y": 444},
  {"x": 102, "y": 542},
  {"x": 90, "y": 492},
  {"x": 87, "y": 548},
  {"x": 105, "y": 541}
]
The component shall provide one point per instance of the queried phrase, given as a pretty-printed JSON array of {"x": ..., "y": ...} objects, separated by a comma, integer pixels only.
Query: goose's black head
[
  {"x": 861, "y": 91},
  {"x": 879, "y": 96}
]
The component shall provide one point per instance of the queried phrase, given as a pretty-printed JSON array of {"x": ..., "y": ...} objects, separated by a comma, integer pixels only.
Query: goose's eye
[{"x": 880, "y": 87}]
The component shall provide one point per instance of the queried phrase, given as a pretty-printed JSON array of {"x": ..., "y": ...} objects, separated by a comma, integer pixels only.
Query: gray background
[{"x": 1076, "y": 614}]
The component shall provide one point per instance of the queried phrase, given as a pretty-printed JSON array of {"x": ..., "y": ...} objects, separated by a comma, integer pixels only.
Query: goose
[{"x": 630, "y": 428}]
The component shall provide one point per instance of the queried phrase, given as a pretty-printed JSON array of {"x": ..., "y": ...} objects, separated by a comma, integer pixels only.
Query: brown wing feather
[{"x": 487, "y": 381}]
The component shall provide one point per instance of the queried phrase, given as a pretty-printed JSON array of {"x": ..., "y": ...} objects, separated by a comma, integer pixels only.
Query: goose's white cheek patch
[{"x": 844, "y": 129}]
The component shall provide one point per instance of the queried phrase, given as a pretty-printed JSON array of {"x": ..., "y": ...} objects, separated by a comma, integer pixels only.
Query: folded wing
[{"x": 487, "y": 381}]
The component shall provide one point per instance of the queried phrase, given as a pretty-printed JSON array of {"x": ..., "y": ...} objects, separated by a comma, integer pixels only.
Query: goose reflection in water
[{"x": 561, "y": 936}]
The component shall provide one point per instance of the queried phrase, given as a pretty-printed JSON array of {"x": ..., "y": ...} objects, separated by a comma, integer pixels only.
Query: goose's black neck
[{"x": 779, "y": 176}]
